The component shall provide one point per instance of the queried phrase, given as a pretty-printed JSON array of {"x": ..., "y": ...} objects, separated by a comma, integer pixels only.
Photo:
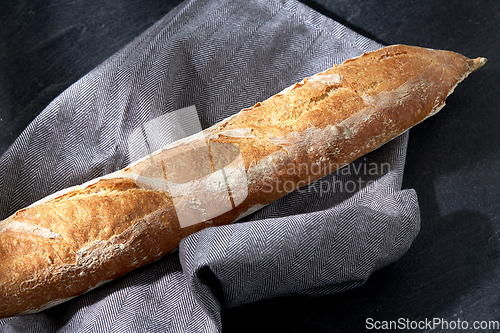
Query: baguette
[{"x": 79, "y": 238}]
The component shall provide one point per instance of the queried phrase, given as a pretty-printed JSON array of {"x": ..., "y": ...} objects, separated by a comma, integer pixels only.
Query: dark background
[{"x": 452, "y": 270}]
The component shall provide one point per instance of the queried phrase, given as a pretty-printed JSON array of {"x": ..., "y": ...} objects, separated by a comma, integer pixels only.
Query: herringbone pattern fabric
[{"x": 219, "y": 56}]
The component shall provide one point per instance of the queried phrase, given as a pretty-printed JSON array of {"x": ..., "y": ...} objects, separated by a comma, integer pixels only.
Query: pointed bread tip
[{"x": 476, "y": 63}]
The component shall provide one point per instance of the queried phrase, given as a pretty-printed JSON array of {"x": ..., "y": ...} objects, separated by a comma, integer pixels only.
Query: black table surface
[{"x": 451, "y": 273}]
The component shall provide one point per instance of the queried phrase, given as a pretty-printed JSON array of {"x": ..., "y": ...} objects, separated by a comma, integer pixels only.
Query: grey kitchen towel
[{"x": 204, "y": 61}]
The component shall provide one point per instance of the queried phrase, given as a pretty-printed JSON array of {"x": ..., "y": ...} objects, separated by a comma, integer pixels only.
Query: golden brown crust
[{"x": 79, "y": 238}]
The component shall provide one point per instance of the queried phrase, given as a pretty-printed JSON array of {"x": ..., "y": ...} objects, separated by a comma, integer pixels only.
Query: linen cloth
[{"x": 213, "y": 57}]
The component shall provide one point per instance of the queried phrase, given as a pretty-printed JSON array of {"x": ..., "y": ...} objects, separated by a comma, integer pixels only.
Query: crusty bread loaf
[{"x": 79, "y": 238}]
